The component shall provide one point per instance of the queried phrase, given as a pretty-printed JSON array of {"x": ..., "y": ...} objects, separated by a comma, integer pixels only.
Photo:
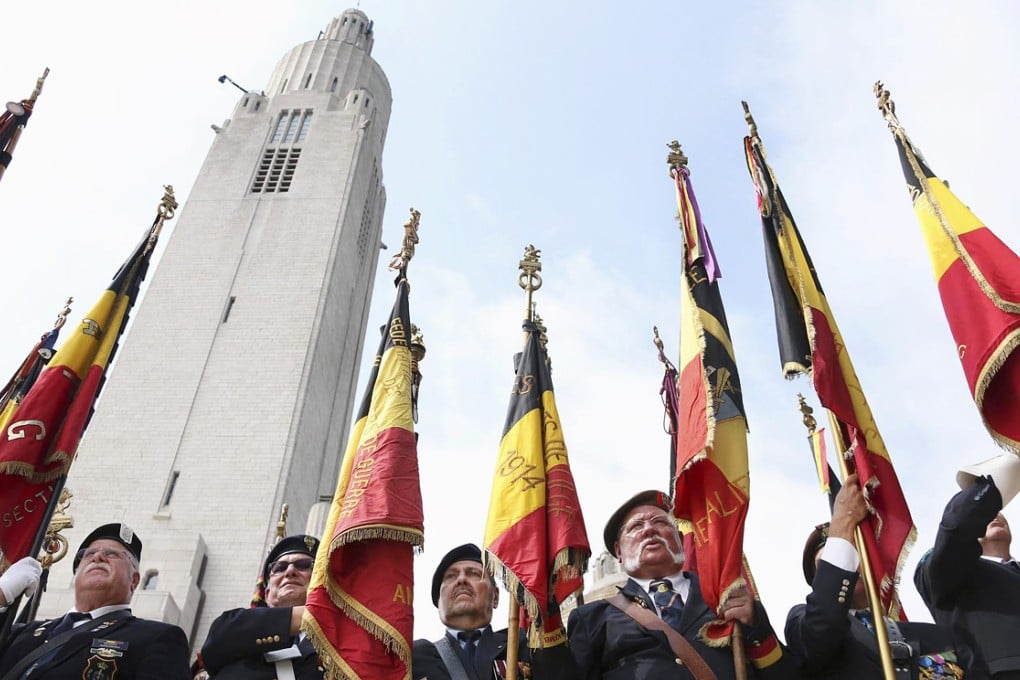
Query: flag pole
[
  {"x": 530, "y": 280},
  {"x": 16, "y": 135},
  {"x": 676, "y": 160},
  {"x": 874, "y": 598}
]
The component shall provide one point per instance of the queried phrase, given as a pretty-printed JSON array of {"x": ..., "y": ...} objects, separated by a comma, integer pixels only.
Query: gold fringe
[
  {"x": 499, "y": 570},
  {"x": 991, "y": 368},
  {"x": 377, "y": 531},
  {"x": 28, "y": 470}
]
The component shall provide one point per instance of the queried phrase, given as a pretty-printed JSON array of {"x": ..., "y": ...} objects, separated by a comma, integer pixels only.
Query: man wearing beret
[
  {"x": 968, "y": 580},
  {"x": 265, "y": 642},
  {"x": 98, "y": 639},
  {"x": 833, "y": 634},
  {"x": 465, "y": 595},
  {"x": 650, "y": 629}
]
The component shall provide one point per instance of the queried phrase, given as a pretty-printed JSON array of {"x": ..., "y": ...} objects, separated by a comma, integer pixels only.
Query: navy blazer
[
  {"x": 239, "y": 638},
  {"x": 979, "y": 598},
  {"x": 127, "y": 648},
  {"x": 607, "y": 644},
  {"x": 832, "y": 644},
  {"x": 426, "y": 662}
]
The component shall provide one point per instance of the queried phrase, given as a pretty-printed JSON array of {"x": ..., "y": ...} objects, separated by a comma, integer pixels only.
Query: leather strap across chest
[{"x": 677, "y": 642}]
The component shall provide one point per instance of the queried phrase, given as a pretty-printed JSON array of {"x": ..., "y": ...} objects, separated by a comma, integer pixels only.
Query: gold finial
[
  {"x": 809, "y": 420},
  {"x": 62, "y": 314},
  {"x": 530, "y": 279},
  {"x": 403, "y": 257},
  {"x": 886, "y": 105},
  {"x": 658, "y": 345},
  {"x": 168, "y": 206},
  {"x": 38, "y": 86},
  {"x": 55, "y": 544},
  {"x": 676, "y": 158},
  {"x": 750, "y": 120},
  {"x": 417, "y": 347},
  {"x": 281, "y": 524}
]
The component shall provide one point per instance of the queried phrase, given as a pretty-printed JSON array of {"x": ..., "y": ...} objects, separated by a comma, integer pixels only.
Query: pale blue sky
[{"x": 547, "y": 123}]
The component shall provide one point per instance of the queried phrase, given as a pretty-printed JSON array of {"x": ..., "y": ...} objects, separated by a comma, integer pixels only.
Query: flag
[
  {"x": 712, "y": 486},
  {"x": 978, "y": 278},
  {"x": 810, "y": 342},
  {"x": 821, "y": 457},
  {"x": 359, "y": 612},
  {"x": 13, "y": 120},
  {"x": 39, "y": 441},
  {"x": 535, "y": 540}
]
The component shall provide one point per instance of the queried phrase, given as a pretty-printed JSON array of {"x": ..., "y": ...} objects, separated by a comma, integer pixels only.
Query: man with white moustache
[
  {"x": 99, "y": 639},
  {"x": 650, "y": 628}
]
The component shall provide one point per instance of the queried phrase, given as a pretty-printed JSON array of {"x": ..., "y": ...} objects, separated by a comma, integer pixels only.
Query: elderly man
[
  {"x": 99, "y": 638},
  {"x": 970, "y": 582},
  {"x": 833, "y": 634},
  {"x": 652, "y": 630},
  {"x": 265, "y": 641},
  {"x": 465, "y": 596}
]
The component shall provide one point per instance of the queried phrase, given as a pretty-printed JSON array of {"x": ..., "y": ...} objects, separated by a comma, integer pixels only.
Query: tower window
[
  {"x": 303, "y": 125},
  {"x": 169, "y": 494},
  {"x": 258, "y": 103},
  {"x": 244, "y": 103},
  {"x": 230, "y": 306},
  {"x": 308, "y": 80},
  {"x": 276, "y": 170},
  {"x": 284, "y": 86},
  {"x": 332, "y": 86},
  {"x": 151, "y": 580},
  {"x": 355, "y": 99},
  {"x": 281, "y": 125},
  {"x": 366, "y": 102}
]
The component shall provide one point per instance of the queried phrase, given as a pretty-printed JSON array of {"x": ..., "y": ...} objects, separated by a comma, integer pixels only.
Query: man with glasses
[
  {"x": 650, "y": 629},
  {"x": 264, "y": 641},
  {"x": 99, "y": 638}
]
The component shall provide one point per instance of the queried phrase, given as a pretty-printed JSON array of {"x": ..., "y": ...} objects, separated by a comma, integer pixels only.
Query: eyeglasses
[
  {"x": 637, "y": 526},
  {"x": 301, "y": 564},
  {"x": 108, "y": 553}
]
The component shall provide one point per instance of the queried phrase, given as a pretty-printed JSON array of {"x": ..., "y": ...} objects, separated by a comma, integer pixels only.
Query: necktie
[
  {"x": 669, "y": 602},
  {"x": 67, "y": 623},
  {"x": 469, "y": 642}
]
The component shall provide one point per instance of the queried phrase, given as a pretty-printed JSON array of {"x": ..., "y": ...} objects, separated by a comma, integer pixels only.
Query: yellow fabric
[{"x": 940, "y": 247}]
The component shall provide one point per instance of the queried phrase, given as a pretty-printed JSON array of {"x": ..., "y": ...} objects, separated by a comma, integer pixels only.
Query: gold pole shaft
[
  {"x": 513, "y": 634},
  {"x": 739, "y": 654},
  {"x": 874, "y": 599}
]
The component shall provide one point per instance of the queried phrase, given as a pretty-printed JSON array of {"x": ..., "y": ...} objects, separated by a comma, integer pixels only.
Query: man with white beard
[{"x": 650, "y": 629}]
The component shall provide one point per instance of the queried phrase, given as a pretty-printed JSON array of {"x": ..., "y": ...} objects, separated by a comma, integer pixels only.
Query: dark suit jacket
[
  {"x": 428, "y": 664},
  {"x": 831, "y": 644},
  {"x": 979, "y": 598},
  {"x": 607, "y": 644},
  {"x": 239, "y": 638},
  {"x": 132, "y": 648}
]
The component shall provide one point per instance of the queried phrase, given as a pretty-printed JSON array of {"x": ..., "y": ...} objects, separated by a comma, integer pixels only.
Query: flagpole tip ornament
[
  {"x": 675, "y": 159},
  {"x": 749, "y": 119},
  {"x": 809, "y": 420},
  {"x": 55, "y": 545},
  {"x": 403, "y": 257},
  {"x": 168, "y": 206},
  {"x": 886, "y": 105},
  {"x": 650, "y": 497},
  {"x": 62, "y": 314}
]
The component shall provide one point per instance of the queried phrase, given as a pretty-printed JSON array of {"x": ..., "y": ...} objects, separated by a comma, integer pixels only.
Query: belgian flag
[
  {"x": 810, "y": 342},
  {"x": 40, "y": 438},
  {"x": 360, "y": 610},
  {"x": 978, "y": 279},
  {"x": 535, "y": 540}
]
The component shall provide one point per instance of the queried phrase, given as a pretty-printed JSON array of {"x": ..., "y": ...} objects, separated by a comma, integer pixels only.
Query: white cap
[{"x": 1004, "y": 470}]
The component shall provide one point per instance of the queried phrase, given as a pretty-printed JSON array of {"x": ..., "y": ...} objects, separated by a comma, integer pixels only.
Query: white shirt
[
  {"x": 681, "y": 585},
  {"x": 99, "y": 611}
]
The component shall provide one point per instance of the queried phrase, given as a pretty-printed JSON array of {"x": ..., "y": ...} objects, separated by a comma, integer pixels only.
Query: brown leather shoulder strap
[{"x": 680, "y": 646}]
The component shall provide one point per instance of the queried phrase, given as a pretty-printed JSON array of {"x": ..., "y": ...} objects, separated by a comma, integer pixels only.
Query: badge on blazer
[
  {"x": 99, "y": 668},
  {"x": 108, "y": 649}
]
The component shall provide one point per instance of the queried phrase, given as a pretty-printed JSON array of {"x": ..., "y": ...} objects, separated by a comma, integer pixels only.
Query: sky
[{"x": 547, "y": 124}]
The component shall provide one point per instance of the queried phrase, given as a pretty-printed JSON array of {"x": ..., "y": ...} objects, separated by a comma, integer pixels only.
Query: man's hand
[
  {"x": 21, "y": 577},
  {"x": 849, "y": 509},
  {"x": 739, "y": 606}
]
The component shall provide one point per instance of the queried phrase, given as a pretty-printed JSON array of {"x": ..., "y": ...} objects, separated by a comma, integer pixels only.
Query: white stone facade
[{"x": 234, "y": 387}]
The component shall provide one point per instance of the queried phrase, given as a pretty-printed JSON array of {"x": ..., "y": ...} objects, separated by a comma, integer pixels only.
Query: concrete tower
[{"x": 233, "y": 392}]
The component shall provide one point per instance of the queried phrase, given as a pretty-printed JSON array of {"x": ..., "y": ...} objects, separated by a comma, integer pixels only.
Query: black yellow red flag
[
  {"x": 978, "y": 279},
  {"x": 535, "y": 540},
  {"x": 359, "y": 612},
  {"x": 39, "y": 440},
  {"x": 810, "y": 342},
  {"x": 13, "y": 120}
]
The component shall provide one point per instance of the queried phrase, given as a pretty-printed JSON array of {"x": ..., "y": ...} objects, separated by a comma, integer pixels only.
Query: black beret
[
  {"x": 815, "y": 541},
  {"x": 121, "y": 533},
  {"x": 650, "y": 497},
  {"x": 299, "y": 543},
  {"x": 467, "y": 552}
]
